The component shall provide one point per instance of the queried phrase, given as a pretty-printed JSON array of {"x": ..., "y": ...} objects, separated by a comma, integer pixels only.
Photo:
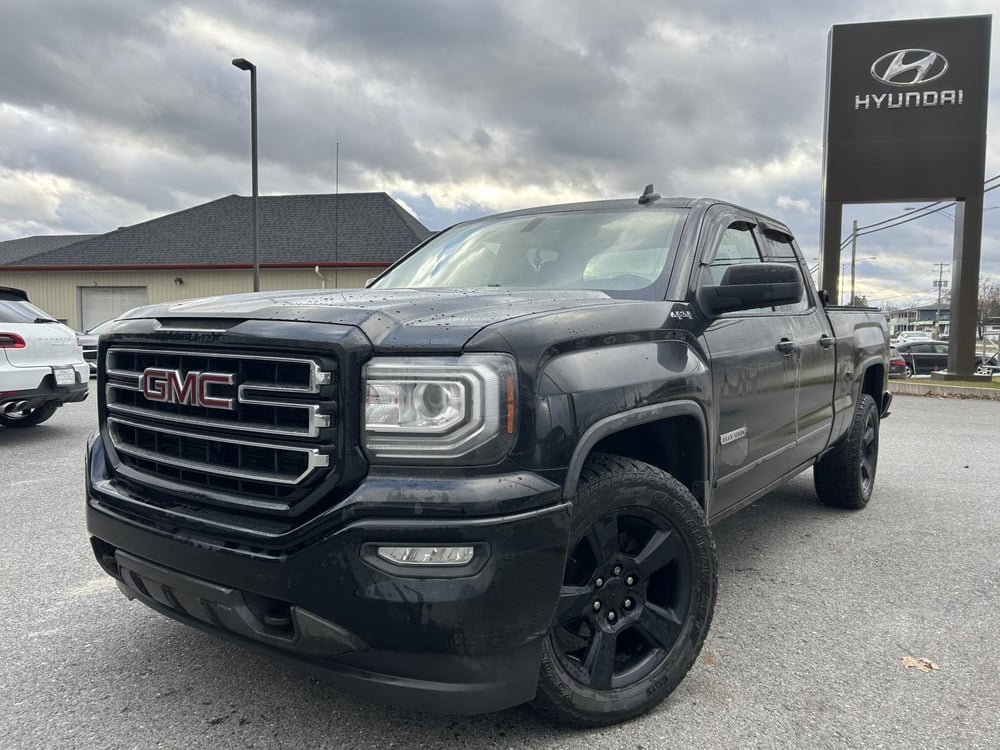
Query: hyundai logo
[
  {"x": 909, "y": 67},
  {"x": 190, "y": 388}
]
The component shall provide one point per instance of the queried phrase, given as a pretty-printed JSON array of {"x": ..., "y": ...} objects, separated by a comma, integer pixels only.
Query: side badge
[
  {"x": 732, "y": 437},
  {"x": 735, "y": 447}
]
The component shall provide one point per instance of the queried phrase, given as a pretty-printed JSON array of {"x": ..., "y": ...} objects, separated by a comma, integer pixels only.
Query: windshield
[
  {"x": 101, "y": 327},
  {"x": 620, "y": 252}
]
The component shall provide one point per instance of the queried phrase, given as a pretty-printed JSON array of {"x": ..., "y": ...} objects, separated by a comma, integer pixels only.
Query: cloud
[
  {"x": 114, "y": 112},
  {"x": 787, "y": 203}
]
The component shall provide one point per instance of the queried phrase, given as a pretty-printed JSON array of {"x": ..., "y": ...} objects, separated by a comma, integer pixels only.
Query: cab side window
[{"x": 736, "y": 246}]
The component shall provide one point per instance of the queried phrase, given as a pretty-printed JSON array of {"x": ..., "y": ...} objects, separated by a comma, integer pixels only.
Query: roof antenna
[{"x": 648, "y": 196}]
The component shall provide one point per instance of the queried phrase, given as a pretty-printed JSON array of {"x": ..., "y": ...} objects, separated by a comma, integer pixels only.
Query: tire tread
[
  {"x": 836, "y": 476},
  {"x": 603, "y": 473}
]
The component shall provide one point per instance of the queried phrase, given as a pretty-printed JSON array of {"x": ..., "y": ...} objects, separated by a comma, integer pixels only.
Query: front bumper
[{"x": 455, "y": 640}]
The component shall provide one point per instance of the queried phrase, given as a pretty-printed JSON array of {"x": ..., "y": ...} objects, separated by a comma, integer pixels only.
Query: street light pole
[{"x": 244, "y": 64}]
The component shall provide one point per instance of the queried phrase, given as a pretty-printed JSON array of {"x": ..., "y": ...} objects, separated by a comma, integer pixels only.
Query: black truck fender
[{"x": 643, "y": 415}]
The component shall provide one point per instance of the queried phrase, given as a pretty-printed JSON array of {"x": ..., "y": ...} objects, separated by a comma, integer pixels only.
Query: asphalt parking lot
[{"x": 817, "y": 609}]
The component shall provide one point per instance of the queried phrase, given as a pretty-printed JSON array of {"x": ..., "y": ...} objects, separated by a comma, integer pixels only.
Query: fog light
[{"x": 426, "y": 555}]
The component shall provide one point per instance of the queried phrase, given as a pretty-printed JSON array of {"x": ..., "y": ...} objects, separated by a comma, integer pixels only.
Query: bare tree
[{"x": 989, "y": 303}]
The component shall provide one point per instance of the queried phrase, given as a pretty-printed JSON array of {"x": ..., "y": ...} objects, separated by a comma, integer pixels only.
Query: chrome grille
[
  {"x": 274, "y": 432},
  {"x": 262, "y": 391},
  {"x": 186, "y": 451}
]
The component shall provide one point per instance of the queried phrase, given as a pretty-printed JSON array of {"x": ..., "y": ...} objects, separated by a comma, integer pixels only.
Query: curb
[{"x": 941, "y": 390}]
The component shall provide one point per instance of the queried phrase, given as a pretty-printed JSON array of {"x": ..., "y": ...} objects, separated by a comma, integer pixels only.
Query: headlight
[{"x": 440, "y": 408}]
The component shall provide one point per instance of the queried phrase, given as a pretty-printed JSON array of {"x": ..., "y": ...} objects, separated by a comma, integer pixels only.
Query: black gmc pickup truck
[{"x": 489, "y": 477}]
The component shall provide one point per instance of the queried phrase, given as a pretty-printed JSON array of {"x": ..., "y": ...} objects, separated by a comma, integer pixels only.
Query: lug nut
[
  {"x": 618, "y": 570},
  {"x": 611, "y": 616},
  {"x": 597, "y": 606},
  {"x": 630, "y": 581},
  {"x": 628, "y": 604},
  {"x": 599, "y": 582}
]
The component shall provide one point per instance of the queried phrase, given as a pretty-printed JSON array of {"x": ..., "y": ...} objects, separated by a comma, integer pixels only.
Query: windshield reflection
[{"x": 613, "y": 251}]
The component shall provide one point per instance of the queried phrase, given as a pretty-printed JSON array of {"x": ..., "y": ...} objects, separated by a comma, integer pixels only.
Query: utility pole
[
  {"x": 940, "y": 285},
  {"x": 854, "y": 258}
]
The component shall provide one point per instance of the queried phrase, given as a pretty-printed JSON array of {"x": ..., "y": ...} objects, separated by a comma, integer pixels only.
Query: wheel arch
[
  {"x": 658, "y": 434},
  {"x": 874, "y": 383}
]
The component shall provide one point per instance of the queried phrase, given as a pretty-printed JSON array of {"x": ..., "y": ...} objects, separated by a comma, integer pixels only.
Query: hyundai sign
[
  {"x": 906, "y": 121},
  {"x": 906, "y": 109}
]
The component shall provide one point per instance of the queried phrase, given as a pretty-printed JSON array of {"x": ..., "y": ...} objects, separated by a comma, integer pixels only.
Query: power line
[
  {"x": 912, "y": 216},
  {"x": 909, "y": 213},
  {"x": 917, "y": 213},
  {"x": 902, "y": 294}
]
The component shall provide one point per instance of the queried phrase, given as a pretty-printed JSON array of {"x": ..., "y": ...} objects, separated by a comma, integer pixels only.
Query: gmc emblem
[{"x": 191, "y": 388}]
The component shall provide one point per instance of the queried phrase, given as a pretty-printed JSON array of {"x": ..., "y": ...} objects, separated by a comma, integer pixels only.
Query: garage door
[{"x": 100, "y": 303}]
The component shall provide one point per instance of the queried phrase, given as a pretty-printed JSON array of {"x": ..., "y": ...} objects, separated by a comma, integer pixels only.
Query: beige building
[{"x": 305, "y": 242}]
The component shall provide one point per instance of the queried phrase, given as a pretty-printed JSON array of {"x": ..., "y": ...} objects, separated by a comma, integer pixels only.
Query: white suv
[{"x": 41, "y": 363}]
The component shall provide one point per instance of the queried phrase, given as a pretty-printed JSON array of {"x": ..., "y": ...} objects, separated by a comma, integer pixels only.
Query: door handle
[
  {"x": 826, "y": 341},
  {"x": 787, "y": 346}
]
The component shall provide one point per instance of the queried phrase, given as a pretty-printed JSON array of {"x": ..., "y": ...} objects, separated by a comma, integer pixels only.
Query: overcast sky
[{"x": 113, "y": 112}]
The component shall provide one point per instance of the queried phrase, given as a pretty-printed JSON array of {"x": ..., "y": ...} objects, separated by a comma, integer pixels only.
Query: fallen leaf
[{"x": 919, "y": 663}]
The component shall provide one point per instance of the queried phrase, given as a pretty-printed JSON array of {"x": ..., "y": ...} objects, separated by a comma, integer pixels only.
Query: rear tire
[
  {"x": 29, "y": 417},
  {"x": 846, "y": 477},
  {"x": 637, "y": 597}
]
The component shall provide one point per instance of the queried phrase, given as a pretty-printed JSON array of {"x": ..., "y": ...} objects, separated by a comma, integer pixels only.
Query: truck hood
[{"x": 393, "y": 319}]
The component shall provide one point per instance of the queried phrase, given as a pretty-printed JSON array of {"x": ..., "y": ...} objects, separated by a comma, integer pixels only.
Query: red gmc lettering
[
  {"x": 205, "y": 379},
  {"x": 174, "y": 387}
]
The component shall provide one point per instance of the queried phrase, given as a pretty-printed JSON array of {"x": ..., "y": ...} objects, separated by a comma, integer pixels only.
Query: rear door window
[{"x": 779, "y": 249}]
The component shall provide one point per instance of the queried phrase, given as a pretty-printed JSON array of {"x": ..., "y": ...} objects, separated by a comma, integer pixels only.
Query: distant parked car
[
  {"x": 989, "y": 366},
  {"x": 88, "y": 341},
  {"x": 904, "y": 336},
  {"x": 923, "y": 356},
  {"x": 41, "y": 365},
  {"x": 897, "y": 365}
]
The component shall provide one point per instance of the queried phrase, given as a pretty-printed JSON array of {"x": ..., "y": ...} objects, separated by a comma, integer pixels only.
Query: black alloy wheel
[
  {"x": 846, "y": 477},
  {"x": 868, "y": 452},
  {"x": 625, "y": 596},
  {"x": 637, "y": 596}
]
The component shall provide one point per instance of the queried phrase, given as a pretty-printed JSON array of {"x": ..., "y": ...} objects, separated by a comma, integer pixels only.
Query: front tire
[
  {"x": 637, "y": 596},
  {"x": 29, "y": 417},
  {"x": 846, "y": 477}
]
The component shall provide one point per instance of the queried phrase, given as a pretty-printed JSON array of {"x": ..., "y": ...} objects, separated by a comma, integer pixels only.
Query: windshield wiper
[{"x": 45, "y": 320}]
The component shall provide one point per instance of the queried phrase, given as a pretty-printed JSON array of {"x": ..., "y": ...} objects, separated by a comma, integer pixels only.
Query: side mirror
[
  {"x": 369, "y": 282},
  {"x": 751, "y": 286}
]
